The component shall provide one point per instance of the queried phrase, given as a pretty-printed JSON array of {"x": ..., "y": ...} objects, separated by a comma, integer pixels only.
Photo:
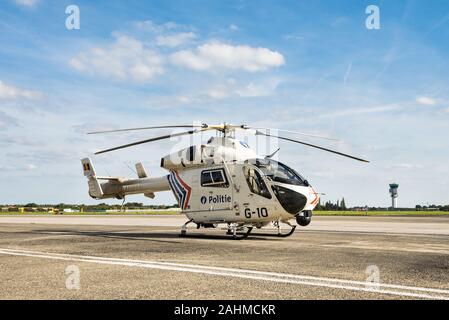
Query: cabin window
[
  {"x": 214, "y": 178},
  {"x": 255, "y": 182}
]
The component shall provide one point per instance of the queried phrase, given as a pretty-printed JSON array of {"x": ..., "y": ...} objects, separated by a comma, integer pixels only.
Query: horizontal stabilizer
[{"x": 141, "y": 173}]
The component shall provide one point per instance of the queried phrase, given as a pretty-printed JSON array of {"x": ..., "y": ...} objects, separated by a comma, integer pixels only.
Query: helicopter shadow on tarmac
[{"x": 144, "y": 236}]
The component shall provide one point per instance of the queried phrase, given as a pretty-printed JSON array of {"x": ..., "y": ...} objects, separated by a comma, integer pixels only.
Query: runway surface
[{"x": 142, "y": 257}]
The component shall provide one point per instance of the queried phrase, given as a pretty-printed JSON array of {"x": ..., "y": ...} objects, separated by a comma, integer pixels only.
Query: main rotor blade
[
  {"x": 154, "y": 127},
  {"x": 294, "y": 132},
  {"x": 313, "y": 146},
  {"x": 168, "y": 136}
]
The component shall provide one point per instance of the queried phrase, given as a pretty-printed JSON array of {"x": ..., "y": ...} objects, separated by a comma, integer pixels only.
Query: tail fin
[
  {"x": 95, "y": 190},
  {"x": 88, "y": 168}
]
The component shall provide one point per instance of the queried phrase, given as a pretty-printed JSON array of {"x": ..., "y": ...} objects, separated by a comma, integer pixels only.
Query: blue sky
[{"x": 308, "y": 66}]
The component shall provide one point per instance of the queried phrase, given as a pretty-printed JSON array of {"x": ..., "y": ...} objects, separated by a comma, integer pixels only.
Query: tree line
[{"x": 340, "y": 205}]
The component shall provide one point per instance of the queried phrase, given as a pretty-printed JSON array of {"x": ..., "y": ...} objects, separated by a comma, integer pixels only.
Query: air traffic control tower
[{"x": 394, "y": 195}]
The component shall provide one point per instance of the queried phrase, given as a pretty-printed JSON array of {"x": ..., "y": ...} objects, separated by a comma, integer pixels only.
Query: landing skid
[
  {"x": 279, "y": 234},
  {"x": 239, "y": 235},
  {"x": 233, "y": 232}
]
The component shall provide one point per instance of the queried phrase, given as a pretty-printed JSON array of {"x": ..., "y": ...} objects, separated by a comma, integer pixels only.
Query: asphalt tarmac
[{"x": 143, "y": 257}]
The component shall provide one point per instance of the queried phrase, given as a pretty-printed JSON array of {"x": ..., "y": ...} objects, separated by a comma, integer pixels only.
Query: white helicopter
[{"x": 221, "y": 182}]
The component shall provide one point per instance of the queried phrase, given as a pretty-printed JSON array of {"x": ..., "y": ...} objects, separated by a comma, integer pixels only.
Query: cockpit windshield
[{"x": 279, "y": 172}]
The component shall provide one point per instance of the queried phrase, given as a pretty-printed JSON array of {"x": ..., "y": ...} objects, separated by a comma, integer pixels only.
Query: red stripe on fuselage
[
  {"x": 317, "y": 198},
  {"x": 185, "y": 185}
]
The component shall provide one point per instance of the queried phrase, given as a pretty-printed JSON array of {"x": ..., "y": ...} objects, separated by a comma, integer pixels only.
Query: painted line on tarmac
[{"x": 380, "y": 288}]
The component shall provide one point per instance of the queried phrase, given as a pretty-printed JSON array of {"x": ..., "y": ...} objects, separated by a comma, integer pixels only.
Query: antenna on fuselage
[{"x": 271, "y": 155}]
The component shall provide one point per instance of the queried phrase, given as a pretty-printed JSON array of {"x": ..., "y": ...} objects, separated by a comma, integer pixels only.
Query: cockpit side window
[{"x": 255, "y": 182}]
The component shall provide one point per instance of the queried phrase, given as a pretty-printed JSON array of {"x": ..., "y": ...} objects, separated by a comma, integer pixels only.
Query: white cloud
[
  {"x": 183, "y": 99},
  {"x": 150, "y": 26},
  {"x": 339, "y": 21},
  {"x": 127, "y": 58},
  {"x": 175, "y": 40},
  {"x": 219, "y": 92},
  {"x": 30, "y": 166},
  {"x": 232, "y": 89},
  {"x": 261, "y": 89},
  {"x": 446, "y": 110},
  {"x": 212, "y": 56},
  {"x": 10, "y": 92},
  {"x": 358, "y": 111},
  {"x": 6, "y": 121},
  {"x": 9, "y": 140},
  {"x": 406, "y": 166},
  {"x": 27, "y": 3},
  {"x": 347, "y": 73},
  {"x": 426, "y": 101},
  {"x": 94, "y": 126},
  {"x": 233, "y": 27},
  {"x": 293, "y": 37},
  {"x": 18, "y": 167}
]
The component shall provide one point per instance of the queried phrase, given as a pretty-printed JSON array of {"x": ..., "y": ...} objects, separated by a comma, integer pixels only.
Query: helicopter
[{"x": 222, "y": 181}]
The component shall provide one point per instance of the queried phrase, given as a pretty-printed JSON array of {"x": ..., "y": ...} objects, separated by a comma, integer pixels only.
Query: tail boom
[{"x": 118, "y": 188}]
